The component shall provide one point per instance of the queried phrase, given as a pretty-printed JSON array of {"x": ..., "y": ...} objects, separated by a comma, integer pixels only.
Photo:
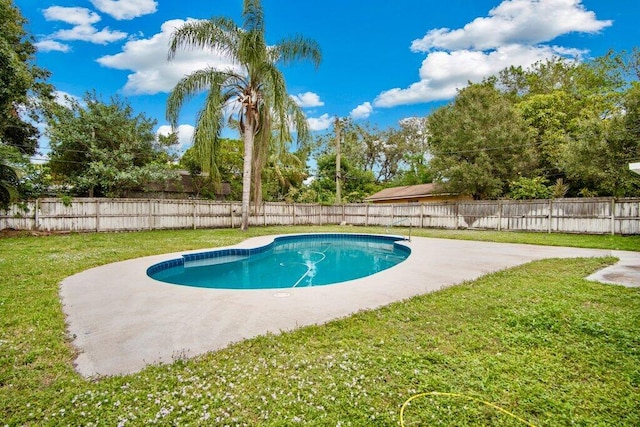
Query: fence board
[{"x": 593, "y": 216}]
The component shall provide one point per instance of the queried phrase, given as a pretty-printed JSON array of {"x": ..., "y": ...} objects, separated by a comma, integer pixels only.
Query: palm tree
[{"x": 254, "y": 89}]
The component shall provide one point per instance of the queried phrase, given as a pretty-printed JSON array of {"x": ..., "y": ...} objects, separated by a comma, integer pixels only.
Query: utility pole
[{"x": 338, "y": 174}]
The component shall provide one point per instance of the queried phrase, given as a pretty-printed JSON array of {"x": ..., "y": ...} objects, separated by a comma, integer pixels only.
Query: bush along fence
[{"x": 592, "y": 216}]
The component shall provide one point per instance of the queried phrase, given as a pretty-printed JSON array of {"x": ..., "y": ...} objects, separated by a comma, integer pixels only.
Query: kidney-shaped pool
[{"x": 287, "y": 262}]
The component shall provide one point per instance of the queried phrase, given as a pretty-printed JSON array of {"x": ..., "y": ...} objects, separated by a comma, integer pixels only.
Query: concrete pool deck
[{"x": 121, "y": 320}]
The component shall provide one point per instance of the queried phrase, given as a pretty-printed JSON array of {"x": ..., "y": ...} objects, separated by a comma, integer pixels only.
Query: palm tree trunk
[
  {"x": 246, "y": 173},
  {"x": 260, "y": 154},
  {"x": 338, "y": 166}
]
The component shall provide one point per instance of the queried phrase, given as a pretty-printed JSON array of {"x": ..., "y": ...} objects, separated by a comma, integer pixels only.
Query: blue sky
[{"x": 383, "y": 60}]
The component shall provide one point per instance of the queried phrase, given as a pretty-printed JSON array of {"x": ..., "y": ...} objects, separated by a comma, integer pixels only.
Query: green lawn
[{"x": 538, "y": 341}]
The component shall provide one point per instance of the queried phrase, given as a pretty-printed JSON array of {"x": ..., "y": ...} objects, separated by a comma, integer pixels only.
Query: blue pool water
[{"x": 287, "y": 262}]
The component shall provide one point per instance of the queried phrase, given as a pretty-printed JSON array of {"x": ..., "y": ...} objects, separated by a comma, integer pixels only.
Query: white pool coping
[{"x": 121, "y": 320}]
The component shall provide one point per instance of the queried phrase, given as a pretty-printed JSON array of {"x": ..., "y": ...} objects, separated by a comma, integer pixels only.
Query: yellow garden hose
[{"x": 438, "y": 393}]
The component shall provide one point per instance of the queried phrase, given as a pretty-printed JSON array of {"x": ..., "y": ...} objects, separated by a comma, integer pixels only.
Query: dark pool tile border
[{"x": 180, "y": 262}]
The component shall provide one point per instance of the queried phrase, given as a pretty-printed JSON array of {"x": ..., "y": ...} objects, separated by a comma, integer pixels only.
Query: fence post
[
  {"x": 457, "y": 213},
  {"x": 195, "y": 208},
  {"x": 97, "y": 215},
  {"x": 36, "y": 215},
  {"x": 231, "y": 213},
  {"x": 293, "y": 213},
  {"x": 613, "y": 216},
  {"x": 366, "y": 216},
  {"x": 550, "y": 215},
  {"x": 499, "y": 215},
  {"x": 150, "y": 215}
]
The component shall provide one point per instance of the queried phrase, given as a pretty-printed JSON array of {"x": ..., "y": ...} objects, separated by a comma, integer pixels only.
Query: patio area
[{"x": 121, "y": 320}]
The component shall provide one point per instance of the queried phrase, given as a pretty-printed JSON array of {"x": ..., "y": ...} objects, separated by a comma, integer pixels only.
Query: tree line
[{"x": 559, "y": 128}]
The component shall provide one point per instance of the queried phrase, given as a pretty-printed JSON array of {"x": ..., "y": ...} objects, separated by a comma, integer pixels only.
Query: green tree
[
  {"x": 35, "y": 181},
  {"x": 401, "y": 149},
  {"x": 285, "y": 172},
  {"x": 352, "y": 143},
  {"x": 580, "y": 130},
  {"x": 9, "y": 179},
  {"x": 564, "y": 102},
  {"x": 631, "y": 65},
  {"x": 203, "y": 184},
  {"x": 20, "y": 178},
  {"x": 387, "y": 154},
  {"x": 229, "y": 169},
  {"x": 530, "y": 188},
  {"x": 547, "y": 115},
  {"x": 406, "y": 160},
  {"x": 256, "y": 85},
  {"x": 356, "y": 182},
  {"x": 479, "y": 143},
  {"x": 22, "y": 83},
  {"x": 416, "y": 171},
  {"x": 103, "y": 149},
  {"x": 597, "y": 159}
]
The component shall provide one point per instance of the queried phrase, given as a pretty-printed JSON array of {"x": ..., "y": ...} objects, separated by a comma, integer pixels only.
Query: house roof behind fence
[{"x": 406, "y": 192}]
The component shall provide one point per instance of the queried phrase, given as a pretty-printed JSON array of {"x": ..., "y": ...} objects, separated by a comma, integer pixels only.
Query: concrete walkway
[{"x": 121, "y": 320}]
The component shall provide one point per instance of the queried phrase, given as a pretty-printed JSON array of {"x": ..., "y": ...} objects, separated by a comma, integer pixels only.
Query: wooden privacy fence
[{"x": 592, "y": 216}]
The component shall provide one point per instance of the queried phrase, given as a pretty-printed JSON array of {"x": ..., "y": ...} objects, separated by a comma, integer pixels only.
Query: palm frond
[
  {"x": 253, "y": 16},
  {"x": 220, "y": 34},
  {"x": 295, "y": 49},
  {"x": 252, "y": 53},
  {"x": 208, "y": 79},
  {"x": 279, "y": 100},
  {"x": 206, "y": 138},
  {"x": 298, "y": 120}
]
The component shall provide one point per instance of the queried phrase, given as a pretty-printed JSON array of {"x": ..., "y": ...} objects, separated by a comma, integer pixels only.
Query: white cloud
[
  {"x": 321, "y": 123},
  {"x": 512, "y": 34},
  {"x": 362, "y": 111},
  {"x": 185, "y": 135},
  {"x": 307, "y": 100},
  {"x": 443, "y": 73},
  {"x": 126, "y": 9},
  {"x": 526, "y": 22},
  {"x": 147, "y": 58},
  {"x": 89, "y": 33},
  {"x": 83, "y": 29},
  {"x": 570, "y": 52},
  {"x": 52, "y": 46},
  {"x": 71, "y": 15}
]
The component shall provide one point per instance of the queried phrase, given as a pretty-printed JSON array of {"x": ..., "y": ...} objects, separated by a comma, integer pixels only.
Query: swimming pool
[{"x": 287, "y": 262}]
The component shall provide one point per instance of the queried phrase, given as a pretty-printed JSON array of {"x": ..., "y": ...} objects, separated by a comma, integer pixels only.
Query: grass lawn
[{"x": 538, "y": 341}]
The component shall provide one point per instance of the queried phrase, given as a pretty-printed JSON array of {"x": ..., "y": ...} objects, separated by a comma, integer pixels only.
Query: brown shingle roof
[{"x": 405, "y": 192}]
